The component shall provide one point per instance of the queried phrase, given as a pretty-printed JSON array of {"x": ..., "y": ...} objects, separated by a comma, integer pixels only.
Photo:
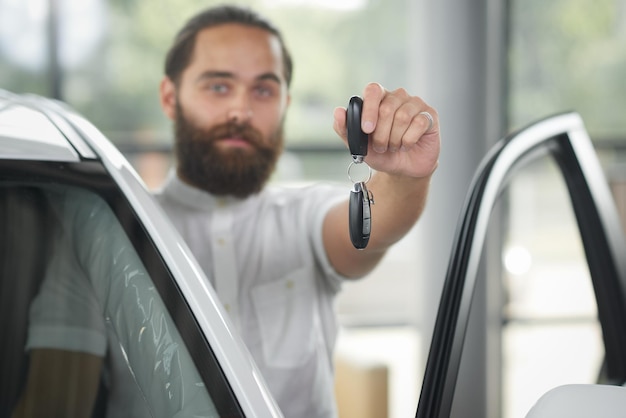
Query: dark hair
[{"x": 179, "y": 54}]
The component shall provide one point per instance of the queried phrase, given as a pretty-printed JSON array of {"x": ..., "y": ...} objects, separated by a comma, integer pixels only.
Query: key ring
[
  {"x": 369, "y": 174},
  {"x": 359, "y": 210}
]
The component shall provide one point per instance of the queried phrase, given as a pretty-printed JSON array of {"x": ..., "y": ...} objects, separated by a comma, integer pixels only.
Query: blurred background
[{"x": 489, "y": 67}]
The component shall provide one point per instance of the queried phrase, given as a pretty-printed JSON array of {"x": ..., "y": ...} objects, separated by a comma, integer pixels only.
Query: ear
[
  {"x": 167, "y": 95},
  {"x": 286, "y": 102}
]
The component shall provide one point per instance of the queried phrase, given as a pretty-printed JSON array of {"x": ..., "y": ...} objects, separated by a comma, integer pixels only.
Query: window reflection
[{"x": 92, "y": 300}]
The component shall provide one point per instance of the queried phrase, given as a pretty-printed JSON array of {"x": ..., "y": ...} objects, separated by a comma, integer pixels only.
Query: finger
[
  {"x": 430, "y": 121},
  {"x": 339, "y": 124},
  {"x": 381, "y": 138},
  {"x": 414, "y": 133},
  {"x": 423, "y": 123},
  {"x": 373, "y": 94},
  {"x": 401, "y": 136}
]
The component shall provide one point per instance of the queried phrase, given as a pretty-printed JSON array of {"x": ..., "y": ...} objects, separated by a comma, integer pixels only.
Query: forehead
[{"x": 237, "y": 48}]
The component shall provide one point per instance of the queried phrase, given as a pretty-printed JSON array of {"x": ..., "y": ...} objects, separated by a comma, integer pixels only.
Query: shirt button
[
  {"x": 227, "y": 307},
  {"x": 221, "y": 242},
  {"x": 289, "y": 284}
]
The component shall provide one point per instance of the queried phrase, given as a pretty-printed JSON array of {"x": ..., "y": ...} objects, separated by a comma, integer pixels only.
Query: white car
[
  {"x": 165, "y": 320},
  {"x": 173, "y": 334}
]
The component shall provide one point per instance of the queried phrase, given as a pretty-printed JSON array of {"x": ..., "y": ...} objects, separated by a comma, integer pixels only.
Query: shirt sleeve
[
  {"x": 66, "y": 314},
  {"x": 323, "y": 198}
]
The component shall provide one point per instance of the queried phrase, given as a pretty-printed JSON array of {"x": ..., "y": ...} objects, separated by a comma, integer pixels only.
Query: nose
[{"x": 240, "y": 110}]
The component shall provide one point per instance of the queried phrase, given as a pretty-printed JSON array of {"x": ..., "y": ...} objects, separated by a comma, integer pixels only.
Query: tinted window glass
[{"x": 80, "y": 276}]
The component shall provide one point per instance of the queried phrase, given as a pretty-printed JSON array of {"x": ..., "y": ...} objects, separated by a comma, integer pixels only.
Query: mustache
[{"x": 238, "y": 130}]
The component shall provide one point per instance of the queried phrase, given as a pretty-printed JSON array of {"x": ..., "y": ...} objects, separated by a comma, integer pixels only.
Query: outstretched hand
[{"x": 402, "y": 139}]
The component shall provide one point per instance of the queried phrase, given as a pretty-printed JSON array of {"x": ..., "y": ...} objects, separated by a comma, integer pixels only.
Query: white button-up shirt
[{"x": 265, "y": 257}]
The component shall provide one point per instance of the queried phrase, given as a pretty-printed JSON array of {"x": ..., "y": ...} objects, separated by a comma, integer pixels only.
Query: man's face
[
  {"x": 225, "y": 170},
  {"x": 229, "y": 109}
]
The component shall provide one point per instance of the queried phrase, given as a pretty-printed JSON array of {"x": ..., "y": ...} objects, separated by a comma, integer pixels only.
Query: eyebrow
[{"x": 227, "y": 74}]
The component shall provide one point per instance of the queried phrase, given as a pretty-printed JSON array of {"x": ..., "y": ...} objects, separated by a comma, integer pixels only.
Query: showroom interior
[{"x": 489, "y": 67}]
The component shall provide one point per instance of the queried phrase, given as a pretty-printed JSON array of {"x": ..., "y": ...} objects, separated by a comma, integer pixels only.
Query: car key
[
  {"x": 360, "y": 215},
  {"x": 360, "y": 220},
  {"x": 357, "y": 139}
]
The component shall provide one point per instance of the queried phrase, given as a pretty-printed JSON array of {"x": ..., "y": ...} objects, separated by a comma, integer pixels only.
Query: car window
[{"x": 80, "y": 273}]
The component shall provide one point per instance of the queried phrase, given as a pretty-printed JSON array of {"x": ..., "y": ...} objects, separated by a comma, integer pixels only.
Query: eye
[
  {"x": 215, "y": 86},
  {"x": 265, "y": 91},
  {"x": 219, "y": 88}
]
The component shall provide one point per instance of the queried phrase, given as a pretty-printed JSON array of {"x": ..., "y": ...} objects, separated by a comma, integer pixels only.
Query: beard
[{"x": 235, "y": 171}]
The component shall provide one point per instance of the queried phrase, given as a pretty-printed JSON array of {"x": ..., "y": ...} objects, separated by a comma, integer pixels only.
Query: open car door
[{"x": 563, "y": 140}]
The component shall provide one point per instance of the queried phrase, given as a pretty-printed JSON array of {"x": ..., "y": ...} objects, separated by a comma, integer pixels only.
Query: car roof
[{"x": 37, "y": 128}]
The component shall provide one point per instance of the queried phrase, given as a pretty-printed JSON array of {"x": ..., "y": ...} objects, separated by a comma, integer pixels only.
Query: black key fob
[
  {"x": 357, "y": 139},
  {"x": 360, "y": 215},
  {"x": 360, "y": 219}
]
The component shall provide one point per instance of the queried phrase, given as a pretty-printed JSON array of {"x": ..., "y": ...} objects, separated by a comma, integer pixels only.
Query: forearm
[
  {"x": 60, "y": 384},
  {"x": 399, "y": 202}
]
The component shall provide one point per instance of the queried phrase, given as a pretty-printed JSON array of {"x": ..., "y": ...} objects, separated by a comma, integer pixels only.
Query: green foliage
[
  {"x": 569, "y": 55},
  {"x": 336, "y": 52},
  {"x": 564, "y": 55}
]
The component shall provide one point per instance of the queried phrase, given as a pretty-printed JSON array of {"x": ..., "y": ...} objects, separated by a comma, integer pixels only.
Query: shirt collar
[{"x": 196, "y": 198}]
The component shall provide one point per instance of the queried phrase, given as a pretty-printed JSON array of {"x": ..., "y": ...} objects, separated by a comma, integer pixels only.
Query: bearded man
[{"x": 277, "y": 257}]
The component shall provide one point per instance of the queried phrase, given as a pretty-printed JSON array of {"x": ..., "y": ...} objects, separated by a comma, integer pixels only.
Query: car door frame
[{"x": 565, "y": 139}]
